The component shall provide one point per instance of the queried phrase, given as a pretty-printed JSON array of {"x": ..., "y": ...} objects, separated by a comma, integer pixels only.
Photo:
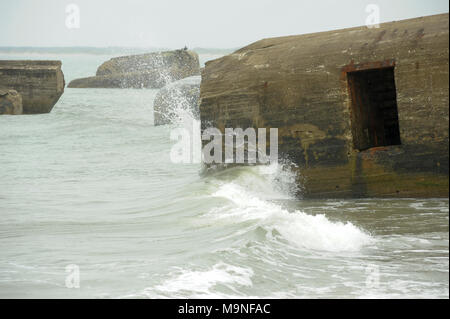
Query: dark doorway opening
[{"x": 374, "y": 108}]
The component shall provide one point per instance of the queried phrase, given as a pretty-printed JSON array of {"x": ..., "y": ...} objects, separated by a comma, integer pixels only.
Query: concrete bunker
[{"x": 361, "y": 112}]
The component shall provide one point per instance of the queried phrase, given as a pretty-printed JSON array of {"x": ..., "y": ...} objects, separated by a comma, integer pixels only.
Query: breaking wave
[{"x": 252, "y": 195}]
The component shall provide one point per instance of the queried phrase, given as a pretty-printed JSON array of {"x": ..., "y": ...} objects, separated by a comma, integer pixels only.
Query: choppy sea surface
[{"x": 90, "y": 190}]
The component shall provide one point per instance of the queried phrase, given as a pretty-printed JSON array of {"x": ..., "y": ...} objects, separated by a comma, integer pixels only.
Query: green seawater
[{"x": 91, "y": 185}]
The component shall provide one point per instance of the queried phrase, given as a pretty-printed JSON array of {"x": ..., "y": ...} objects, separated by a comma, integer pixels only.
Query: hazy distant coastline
[{"x": 103, "y": 50}]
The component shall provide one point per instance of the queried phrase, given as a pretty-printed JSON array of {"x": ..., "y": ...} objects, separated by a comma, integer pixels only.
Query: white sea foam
[
  {"x": 249, "y": 202},
  {"x": 200, "y": 284}
]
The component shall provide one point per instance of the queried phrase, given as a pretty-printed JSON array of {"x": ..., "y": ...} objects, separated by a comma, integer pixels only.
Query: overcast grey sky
[{"x": 196, "y": 23}]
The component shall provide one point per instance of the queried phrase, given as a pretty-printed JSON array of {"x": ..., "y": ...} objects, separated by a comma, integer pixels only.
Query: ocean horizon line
[{"x": 103, "y": 49}]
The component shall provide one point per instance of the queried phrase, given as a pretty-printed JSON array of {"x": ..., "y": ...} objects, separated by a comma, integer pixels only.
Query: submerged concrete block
[
  {"x": 152, "y": 70},
  {"x": 40, "y": 83}
]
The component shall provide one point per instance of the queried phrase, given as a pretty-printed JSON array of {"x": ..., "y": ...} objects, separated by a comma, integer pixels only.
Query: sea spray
[
  {"x": 178, "y": 100},
  {"x": 179, "y": 112}
]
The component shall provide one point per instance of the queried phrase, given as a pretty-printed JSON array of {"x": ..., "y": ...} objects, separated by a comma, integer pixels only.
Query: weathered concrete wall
[
  {"x": 299, "y": 84},
  {"x": 152, "y": 70},
  {"x": 40, "y": 83},
  {"x": 10, "y": 102}
]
